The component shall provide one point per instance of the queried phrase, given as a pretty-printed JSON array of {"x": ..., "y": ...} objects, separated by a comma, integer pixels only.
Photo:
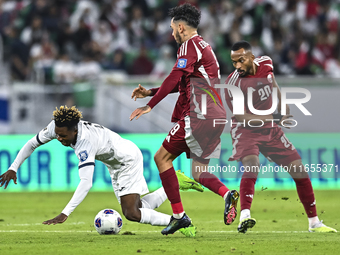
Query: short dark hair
[
  {"x": 66, "y": 117},
  {"x": 186, "y": 12},
  {"x": 241, "y": 45}
]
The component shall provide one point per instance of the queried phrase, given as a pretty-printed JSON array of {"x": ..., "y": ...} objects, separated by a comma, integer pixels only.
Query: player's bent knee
[
  {"x": 163, "y": 158},
  {"x": 251, "y": 161},
  {"x": 157, "y": 157}
]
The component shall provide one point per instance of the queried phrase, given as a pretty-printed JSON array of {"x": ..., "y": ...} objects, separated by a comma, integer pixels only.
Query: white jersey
[{"x": 96, "y": 142}]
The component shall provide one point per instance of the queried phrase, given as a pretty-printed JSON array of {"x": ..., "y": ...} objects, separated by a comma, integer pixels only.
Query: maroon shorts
[
  {"x": 271, "y": 142},
  {"x": 199, "y": 139}
]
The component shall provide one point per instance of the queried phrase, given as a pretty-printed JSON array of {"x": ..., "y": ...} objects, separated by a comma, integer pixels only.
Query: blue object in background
[{"x": 4, "y": 116}]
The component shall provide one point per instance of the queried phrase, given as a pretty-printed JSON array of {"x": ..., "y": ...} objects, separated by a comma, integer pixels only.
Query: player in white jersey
[{"x": 122, "y": 157}]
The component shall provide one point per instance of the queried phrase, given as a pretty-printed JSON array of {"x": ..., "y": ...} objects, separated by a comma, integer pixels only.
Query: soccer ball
[{"x": 108, "y": 222}]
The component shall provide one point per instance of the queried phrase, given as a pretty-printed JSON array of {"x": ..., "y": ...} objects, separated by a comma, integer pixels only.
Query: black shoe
[
  {"x": 230, "y": 211},
  {"x": 176, "y": 224},
  {"x": 245, "y": 225}
]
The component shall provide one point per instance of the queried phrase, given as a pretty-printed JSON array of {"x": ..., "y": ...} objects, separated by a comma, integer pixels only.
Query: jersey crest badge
[
  {"x": 270, "y": 78},
  {"x": 182, "y": 63},
  {"x": 83, "y": 156}
]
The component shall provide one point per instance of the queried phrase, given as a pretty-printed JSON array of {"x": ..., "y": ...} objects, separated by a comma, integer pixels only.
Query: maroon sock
[
  {"x": 305, "y": 191},
  {"x": 171, "y": 188},
  {"x": 247, "y": 189},
  {"x": 213, "y": 183}
]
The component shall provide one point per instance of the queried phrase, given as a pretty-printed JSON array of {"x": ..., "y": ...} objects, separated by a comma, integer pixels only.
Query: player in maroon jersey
[
  {"x": 267, "y": 138},
  {"x": 194, "y": 75}
]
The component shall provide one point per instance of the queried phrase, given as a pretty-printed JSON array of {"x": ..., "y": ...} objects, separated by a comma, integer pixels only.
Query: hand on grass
[{"x": 59, "y": 219}]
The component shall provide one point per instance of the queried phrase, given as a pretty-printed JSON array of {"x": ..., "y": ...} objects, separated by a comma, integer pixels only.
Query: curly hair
[
  {"x": 187, "y": 13},
  {"x": 66, "y": 117}
]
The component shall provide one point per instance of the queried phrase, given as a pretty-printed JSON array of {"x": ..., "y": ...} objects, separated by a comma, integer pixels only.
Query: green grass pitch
[{"x": 281, "y": 226}]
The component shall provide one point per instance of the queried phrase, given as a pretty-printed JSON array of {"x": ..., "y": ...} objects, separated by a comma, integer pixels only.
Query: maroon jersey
[
  {"x": 194, "y": 75},
  {"x": 261, "y": 83}
]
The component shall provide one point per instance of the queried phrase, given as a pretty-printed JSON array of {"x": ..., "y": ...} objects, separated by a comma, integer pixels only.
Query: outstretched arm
[
  {"x": 170, "y": 85},
  {"x": 23, "y": 154},
  {"x": 140, "y": 92},
  {"x": 85, "y": 174}
]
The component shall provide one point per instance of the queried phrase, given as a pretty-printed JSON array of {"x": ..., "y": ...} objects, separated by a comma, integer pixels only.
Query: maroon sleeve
[
  {"x": 169, "y": 85},
  {"x": 154, "y": 90}
]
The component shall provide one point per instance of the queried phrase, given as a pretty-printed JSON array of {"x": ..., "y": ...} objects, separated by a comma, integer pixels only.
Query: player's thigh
[
  {"x": 279, "y": 149},
  {"x": 174, "y": 143},
  {"x": 203, "y": 137},
  {"x": 130, "y": 179},
  {"x": 245, "y": 143}
]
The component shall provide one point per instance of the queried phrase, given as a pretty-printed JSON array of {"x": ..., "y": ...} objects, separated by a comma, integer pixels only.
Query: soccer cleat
[
  {"x": 189, "y": 231},
  {"x": 322, "y": 228},
  {"x": 230, "y": 211},
  {"x": 176, "y": 224},
  {"x": 186, "y": 183},
  {"x": 245, "y": 224}
]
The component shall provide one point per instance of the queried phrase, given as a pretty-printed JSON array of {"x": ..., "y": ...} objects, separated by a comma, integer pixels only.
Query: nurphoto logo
[{"x": 238, "y": 103}]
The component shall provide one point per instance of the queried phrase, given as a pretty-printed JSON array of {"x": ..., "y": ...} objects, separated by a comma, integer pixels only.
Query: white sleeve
[
  {"x": 24, "y": 153},
  {"x": 44, "y": 136},
  {"x": 85, "y": 175}
]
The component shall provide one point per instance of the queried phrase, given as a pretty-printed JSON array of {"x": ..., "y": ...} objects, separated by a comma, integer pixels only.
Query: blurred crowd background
[{"x": 70, "y": 41}]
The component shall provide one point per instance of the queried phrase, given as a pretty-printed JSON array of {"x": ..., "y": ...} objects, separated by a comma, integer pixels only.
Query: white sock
[
  {"x": 313, "y": 220},
  {"x": 178, "y": 215},
  {"x": 226, "y": 194},
  {"x": 149, "y": 216},
  {"x": 245, "y": 214},
  {"x": 154, "y": 199}
]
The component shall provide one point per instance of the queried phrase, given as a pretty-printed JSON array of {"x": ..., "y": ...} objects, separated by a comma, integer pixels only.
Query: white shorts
[{"x": 129, "y": 179}]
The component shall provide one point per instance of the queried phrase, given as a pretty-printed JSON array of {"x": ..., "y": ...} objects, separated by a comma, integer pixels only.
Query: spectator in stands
[
  {"x": 86, "y": 11},
  {"x": 88, "y": 69},
  {"x": 130, "y": 24},
  {"x": 42, "y": 58},
  {"x": 164, "y": 63},
  {"x": 116, "y": 61},
  {"x": 81, "y": 36},
  {"x": 114, "y": 14},
  {"x": 157, "y": 29},
  {"x": 136, "y": 27},
  {"x": 64, "y": 70},
  {"x": 33, "y": 34},
  {"x": 64, "y": 40},
  {"x": 142, "y": 64},
  {"x": 18, "y": 54},
  {"x": 102, "y": 35}
]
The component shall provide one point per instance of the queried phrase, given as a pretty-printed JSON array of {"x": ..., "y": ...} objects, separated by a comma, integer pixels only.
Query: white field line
[
  {"x": 36, "y": 224},
  {"x": 89, "y": 231}
]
